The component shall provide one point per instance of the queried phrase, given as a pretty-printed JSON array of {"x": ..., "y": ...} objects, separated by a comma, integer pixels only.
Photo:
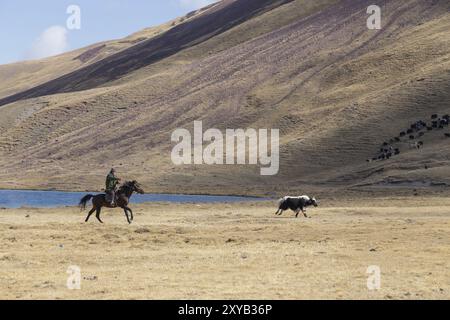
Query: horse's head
[{"x": 137, "y": 187}]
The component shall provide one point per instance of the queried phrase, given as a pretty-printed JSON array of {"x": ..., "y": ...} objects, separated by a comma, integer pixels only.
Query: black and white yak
[{"x": 296, "y": 204}]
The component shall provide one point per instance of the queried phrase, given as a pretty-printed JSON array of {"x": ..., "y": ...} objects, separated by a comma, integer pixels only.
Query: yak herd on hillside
[{"x": 412, "y": 135}]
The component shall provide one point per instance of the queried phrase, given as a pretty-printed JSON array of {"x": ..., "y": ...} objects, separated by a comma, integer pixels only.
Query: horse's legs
[
  {"x": 281, "y": 212},
  {"x": 304, "y": 213},
  {"x": 297, "y": 213},
  {"x": 131, "y": 213},
  {"x": 278, "y": 211},
  {"x": 89, "y": 214},
  {"x": 126, "y": 214},
  {"x": 99, "y": 210}
]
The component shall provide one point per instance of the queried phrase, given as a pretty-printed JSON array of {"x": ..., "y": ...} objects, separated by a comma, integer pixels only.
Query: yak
[{"x": 296, "y": 204}]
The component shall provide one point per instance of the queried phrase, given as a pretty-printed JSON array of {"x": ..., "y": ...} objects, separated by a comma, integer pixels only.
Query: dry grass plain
[{"x": 230, "y": 251}]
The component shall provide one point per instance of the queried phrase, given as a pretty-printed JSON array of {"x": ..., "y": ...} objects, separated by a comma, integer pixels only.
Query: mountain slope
[
  {"x": 217, "y": 19},
  {"x": 21, "y": 76},
  {"x": 335, "y": 89}
]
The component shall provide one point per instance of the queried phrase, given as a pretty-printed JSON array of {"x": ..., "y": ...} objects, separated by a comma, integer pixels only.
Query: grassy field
[{"x": 230, "y": 251}]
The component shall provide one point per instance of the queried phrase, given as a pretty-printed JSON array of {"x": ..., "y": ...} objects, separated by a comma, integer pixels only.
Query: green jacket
[{"x": 111, "y": 182}]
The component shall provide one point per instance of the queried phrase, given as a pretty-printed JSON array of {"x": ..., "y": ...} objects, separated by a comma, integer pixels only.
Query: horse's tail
[{"x": 84, "y": 201}]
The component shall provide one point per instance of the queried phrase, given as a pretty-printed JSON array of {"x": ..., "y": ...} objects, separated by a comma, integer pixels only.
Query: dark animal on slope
[
  {"x": 434, "y": 116},
  {"x": 417, "y": 145},
  {"x": 296, "y": 204},
  {"x": 447, "y": 135},
  {"x": 419, "y": 125}
]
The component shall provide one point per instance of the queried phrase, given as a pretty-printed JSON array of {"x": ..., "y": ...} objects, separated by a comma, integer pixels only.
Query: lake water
[{"x": 53, "y": 199}]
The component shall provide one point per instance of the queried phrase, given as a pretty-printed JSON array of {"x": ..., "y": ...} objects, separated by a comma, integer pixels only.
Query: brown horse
[{"x": 123, "y": 196}]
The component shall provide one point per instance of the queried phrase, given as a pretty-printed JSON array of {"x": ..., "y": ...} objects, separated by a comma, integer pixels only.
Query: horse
[{"x": 123, "y": 196}]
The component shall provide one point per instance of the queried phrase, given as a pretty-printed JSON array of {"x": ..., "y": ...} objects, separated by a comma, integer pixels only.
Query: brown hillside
[
  {"x": 335, "y": 89},
  {"x": 214, "y": 21},
  {"x": 21, "y": 76}
]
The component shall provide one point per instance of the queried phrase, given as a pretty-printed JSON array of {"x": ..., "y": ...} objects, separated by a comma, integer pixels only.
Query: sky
[{"x": 37, "y": 29}]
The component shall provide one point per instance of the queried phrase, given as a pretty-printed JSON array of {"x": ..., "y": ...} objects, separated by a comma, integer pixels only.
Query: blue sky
[{"x": 35, "y": 29}]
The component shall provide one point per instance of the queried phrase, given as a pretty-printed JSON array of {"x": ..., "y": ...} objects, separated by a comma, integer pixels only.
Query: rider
[{"x": 111, "y": 184}]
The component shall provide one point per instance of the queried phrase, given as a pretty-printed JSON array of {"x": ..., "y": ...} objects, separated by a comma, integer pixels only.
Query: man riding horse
[
  {"x": 121, "y": 197},
  {"x": 111, "y": 184}
]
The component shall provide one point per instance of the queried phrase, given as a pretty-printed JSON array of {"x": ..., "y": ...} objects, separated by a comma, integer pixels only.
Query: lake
[{"x": 53, "y": 199}]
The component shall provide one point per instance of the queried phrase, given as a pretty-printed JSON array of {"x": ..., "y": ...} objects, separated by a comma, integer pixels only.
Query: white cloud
[
  {"x": 196, "y": 4},
  {"x": 51, "y": 42}
]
